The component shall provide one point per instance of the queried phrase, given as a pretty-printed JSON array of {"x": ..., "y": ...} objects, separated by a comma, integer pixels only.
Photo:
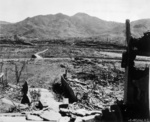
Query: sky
[{"x": 110, "y": 10}]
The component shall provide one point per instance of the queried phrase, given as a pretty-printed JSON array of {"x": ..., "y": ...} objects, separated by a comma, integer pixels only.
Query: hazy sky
[{"x": 113, "y": 10}]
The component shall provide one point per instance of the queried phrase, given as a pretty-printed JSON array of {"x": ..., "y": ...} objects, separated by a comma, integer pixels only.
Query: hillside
[
  {"x": 60, "y": 26},
  {"x": 80, "y": 25},
  {"x": 4, "y": 22},
  {"x": 140, "y": 26}
]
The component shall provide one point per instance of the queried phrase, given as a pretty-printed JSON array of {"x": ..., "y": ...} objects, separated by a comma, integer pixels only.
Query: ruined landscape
[{"x": 45, "y": 52}]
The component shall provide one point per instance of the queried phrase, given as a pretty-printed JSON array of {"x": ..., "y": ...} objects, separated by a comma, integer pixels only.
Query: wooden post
[
  {"x": 128, "y": 89},
  {"x": 149, "y": 92},
  {"x": 128, "y": 33}
]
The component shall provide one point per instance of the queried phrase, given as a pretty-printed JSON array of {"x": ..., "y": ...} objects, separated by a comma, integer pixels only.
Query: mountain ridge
[
  {"x": 55, "y": 26},
  {"x": 4, "y": 22}
]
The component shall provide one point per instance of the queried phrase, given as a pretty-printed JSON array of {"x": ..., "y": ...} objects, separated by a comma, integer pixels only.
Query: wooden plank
[{"x": 77, "y": 81}]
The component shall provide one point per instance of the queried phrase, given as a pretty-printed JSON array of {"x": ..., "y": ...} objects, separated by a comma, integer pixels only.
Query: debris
[
  {"x": 68, "y": 90},
  {"x": 63, "y": 106},
  {"x": 95, "y": 112},
  {"x": 89, "y": 118},
  {"x": 11, "y": 114},
  {"x": 80, "y": 112},
  {"x": 13, "y": 86},
  {"x": 36, "y": 55},
  {"x": 65, "y": 101},
  {"x": 25, "y": 88},
  {"x": 33, "y": 117},
  {"x": 1, "y": 75},
  {"x": 86, "y": 119},
  {"x": 64, "y": 110},
  {"x": 45, "y": 97},
  {"x": 94, "y": 87},
  {"x": 50, "y": 115},
  {"x": 77, "y": 81},
  {"x": 78, "y": 119},
  {"x": 64, "y": 119},
  {"x": 13, "y": 119},
  {"x": 13, "y": 104},
  {"x": 26, "y": 99}
]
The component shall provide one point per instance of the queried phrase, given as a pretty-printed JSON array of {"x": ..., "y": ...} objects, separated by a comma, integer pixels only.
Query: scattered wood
[
  {"x": 36, "y": 55},
  {"x": 42, "y": 51},
  {"x": 89, "y": 118},
  {"x": 77, "y": 81},
  {"x": 64, "y": 110},
  {"x": 79, "y": 112}
]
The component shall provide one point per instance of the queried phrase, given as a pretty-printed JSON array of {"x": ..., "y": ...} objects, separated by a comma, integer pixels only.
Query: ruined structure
[{"x": 136, "y": 104}]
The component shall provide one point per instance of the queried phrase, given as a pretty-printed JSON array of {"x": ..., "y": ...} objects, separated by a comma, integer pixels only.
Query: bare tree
[
  {"x": 19, "y": 72},
  {"x": 18, "y": 69},
  {"x": 1, "y": 71}
]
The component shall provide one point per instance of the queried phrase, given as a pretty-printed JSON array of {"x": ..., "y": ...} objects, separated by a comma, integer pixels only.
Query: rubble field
[
  {"x": 67, "y": 86},
  {"x": 96, "y": 85}
]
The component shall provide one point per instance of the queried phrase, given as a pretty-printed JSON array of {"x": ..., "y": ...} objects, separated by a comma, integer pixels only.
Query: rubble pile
[
  {"x": 86, "y": 88},
  {"x": 38, "y": 104},
  {"x": 95, "y": 85}
]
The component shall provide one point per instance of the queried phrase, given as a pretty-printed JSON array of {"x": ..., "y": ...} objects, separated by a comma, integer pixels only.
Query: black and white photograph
[{"x": 75, "y": 60}]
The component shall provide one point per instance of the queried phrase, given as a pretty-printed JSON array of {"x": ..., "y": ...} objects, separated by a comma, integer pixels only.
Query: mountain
[
  {"x": 78, "y": 25},
  {"x": 140, "y": 26},
  {"x": 4, "y": 22}
]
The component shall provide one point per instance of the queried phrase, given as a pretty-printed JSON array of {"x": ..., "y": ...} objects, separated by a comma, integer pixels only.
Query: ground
[{"x": 104, "y": 75}]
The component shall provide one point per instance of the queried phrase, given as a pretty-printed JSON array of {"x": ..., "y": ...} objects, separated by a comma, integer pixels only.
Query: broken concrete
[
  {"x": 46, "y": 98},
  {"x": 50, "y": 115},
  {"x": 11, "y": 104}
]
